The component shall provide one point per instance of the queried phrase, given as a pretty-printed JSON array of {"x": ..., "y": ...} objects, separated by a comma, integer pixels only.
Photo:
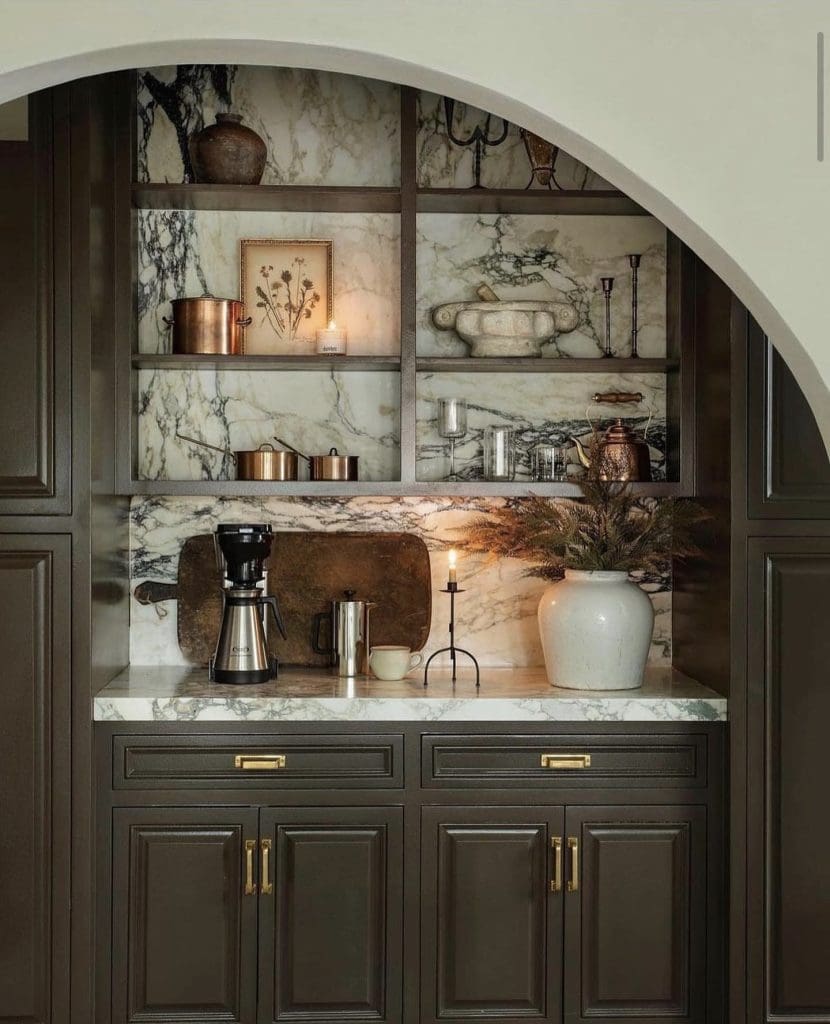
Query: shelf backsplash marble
[
  {"x": 320, "y": 128},
  {"x": 444, "y": 165},
  {"x": 359, "y": 413},
  {"x": 496, "y": 617},
  {"x": 533, "y": 257},
  {"x": 186, "y": 253},
  {"x": 542, "y": 408}
]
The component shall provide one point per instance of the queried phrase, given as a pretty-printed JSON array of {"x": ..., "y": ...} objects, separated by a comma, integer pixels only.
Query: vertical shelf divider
[{"x": 408, "y": 284}]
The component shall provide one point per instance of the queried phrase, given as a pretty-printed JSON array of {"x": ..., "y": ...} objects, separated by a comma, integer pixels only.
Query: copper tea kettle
[{"x": 623, "y": 454}]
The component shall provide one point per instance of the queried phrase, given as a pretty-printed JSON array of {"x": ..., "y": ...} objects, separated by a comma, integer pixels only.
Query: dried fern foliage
[{"x": 609, "y": 528}]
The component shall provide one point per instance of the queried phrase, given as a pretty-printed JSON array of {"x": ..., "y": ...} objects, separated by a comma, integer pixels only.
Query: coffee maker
[{"x": 241, "y": 652}]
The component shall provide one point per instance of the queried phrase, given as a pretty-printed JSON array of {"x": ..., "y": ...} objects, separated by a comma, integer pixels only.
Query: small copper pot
[
  {"x": 333, "y": 466},
  {"x": 208, "y": 326}
]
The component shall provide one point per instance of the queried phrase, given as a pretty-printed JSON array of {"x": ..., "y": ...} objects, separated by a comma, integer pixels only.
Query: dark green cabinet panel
[
  {"x": 185, "y": 929},
  {"x": 34, "y": 809},
  {"x": 634, "y": 928},
  {"x": 491, "y": 926},
  {"x": 330, "y": 929}
]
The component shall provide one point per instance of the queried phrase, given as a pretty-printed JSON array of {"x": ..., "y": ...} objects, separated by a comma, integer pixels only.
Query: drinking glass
[
  {"x": 548, "y": 463},
  {"x": 452, "y": 425},
  {"x": 499, "y": 454}
]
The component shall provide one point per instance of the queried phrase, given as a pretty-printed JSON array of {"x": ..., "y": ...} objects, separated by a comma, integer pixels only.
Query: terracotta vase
[{"x": 227, "y": 153}]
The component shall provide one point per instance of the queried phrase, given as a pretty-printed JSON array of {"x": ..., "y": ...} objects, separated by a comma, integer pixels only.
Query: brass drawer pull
[
  {"x": 573, "y": 847},
  {"x": 259, "y": 762},
  {"x": 266, "y": 887},
  {"x": 250, "y": 846},
  {"x": 556, "y": 880},
  {"x": 566, "y": 760}
]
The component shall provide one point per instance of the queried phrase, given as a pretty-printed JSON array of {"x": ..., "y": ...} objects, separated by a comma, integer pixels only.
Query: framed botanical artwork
[{"x": 285, "y": 285}]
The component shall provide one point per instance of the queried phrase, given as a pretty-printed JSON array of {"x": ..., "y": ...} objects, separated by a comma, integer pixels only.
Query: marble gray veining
[
  {"x": 523, "y": 256},
  {"x": 496, "y": 616},
  {"x": 320, "y": 128},
  {"x": 441, "y": 164},
  {"x": 191, "y": 253},
  {"x": 148, "y": 693},
  {"x": 541, "y": 408}
]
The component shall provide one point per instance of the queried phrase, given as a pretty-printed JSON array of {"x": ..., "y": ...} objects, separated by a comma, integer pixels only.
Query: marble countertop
[{"x": 152, "y": 693}]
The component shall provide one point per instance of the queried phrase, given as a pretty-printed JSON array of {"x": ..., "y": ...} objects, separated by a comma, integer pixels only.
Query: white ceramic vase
[{"x": 596, "y": 630}]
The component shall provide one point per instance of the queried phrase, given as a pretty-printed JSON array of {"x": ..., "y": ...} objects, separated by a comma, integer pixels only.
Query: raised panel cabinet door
[
  {"x": 330, "y": 914},
  {"x": 635, "y": 912},
  {"x": 491, "y": 921},
  {"x": 788, "y": 871},
  {"x": 34, "y": 768},
  {"x": 35, "y": 329},
  {"x": 184, "y": 914},
  {"x": 788, "y": 468}
]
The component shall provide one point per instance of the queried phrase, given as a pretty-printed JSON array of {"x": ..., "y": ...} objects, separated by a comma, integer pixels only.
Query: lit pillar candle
[
  {"x": 331, "y": 341},
  {"x": 452, "y": 559}
]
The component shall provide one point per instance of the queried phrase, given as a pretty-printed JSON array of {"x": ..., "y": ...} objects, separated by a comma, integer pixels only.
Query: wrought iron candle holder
[
  {"x": 607, "y": 288},
  {"x": 634, "y": 262},
  {"x": 452, "y": 589},
  {"x": 479, "y": 138}
]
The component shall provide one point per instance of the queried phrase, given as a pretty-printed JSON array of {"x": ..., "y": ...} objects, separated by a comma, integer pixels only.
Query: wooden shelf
[
  {"x": 463, "y": 364},
  {"x": 386, "y": 488},
  {"x": 198, "y": 362},
  {"x": 282, "y": 198},
  {"x": 542, "y": 201}
]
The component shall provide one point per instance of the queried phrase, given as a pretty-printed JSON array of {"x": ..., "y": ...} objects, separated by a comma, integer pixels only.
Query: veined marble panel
[
  {"x": 358, "y": 413},
  {"x": 496, "y": 616},
  {"x": 541, "y": 408},
  {"x": 533, "y": 257},
  {"x": 183, "y": 253},
  {"x": 441, "y": 164},
  {"x": 147, "y": 694},
  {"x": 320, "y": 128}
]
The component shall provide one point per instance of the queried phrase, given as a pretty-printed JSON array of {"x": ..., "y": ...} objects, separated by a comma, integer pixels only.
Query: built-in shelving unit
[{"x": 407, "y": 200}]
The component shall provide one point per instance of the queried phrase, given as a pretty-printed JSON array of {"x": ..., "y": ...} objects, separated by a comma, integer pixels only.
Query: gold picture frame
[{"x": 285, "y": 285}]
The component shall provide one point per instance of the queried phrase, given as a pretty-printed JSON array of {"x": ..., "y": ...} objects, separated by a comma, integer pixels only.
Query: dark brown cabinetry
[
  {"x": 257, "y": 915},
  {"x": 34, "y": 347},
  {"x": 590, "y": 911},
  {"x": 34, "y": 809}
]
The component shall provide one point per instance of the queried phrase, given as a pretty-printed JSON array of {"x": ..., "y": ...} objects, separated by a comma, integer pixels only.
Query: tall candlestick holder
[
  {"x": 452, "y": 589},
  {"x": 634, "y": 262},
  {"x": 607, "y": 288}
]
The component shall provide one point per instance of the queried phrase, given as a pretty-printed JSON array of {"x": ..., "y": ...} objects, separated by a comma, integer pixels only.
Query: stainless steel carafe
[
  {"x": 242, "y": 650},
  {"x": 348, "y": 624}
]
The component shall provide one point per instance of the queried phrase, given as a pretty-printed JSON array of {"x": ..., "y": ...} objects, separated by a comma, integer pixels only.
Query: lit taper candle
[{"x": 452, "y": 559}]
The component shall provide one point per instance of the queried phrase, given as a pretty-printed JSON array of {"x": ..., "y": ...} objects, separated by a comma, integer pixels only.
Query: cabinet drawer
[
  {"x": 578, "y": 761},
  {"x": 262, "y": 762}
]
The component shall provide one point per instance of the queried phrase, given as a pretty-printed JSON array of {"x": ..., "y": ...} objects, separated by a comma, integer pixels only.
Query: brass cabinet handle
[
  {"x": 250, "y": 846},
  {"x": 265, "y": 886},
  {"x": 259, "y": 762},
  {"x": 573, "y": 848},
  {"x": 556, "y": 880},
  {"x": 566, "y": 760}
]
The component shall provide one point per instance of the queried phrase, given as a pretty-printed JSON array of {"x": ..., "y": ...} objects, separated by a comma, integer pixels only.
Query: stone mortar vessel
[{"x": 514, "y": 327}]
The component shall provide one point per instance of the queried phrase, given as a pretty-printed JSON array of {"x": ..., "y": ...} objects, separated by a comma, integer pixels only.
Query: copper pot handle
[
  {"x": 204, "y": 444},
  {"x": 245, "y": 321},
  {"x": 170, "y": 323}
]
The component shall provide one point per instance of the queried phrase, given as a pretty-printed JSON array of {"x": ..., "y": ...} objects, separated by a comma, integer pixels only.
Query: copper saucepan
[
  {"x": 328, "y": 467},
  {"x": 208, "y": 326},
  {"x": 263, "y": 463}
]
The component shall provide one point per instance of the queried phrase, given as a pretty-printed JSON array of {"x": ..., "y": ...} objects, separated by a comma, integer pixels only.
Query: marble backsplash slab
[
  {"x": 441, "y": 164},
  {"x": 531, "y": 257},
  {"x": 358, "y": 413},
  {"x": 320, "y": 128},
  {"x": 191, "y": 253},
  {"x": 541, "y": 408},
  {"x": 496, "y": 616}
]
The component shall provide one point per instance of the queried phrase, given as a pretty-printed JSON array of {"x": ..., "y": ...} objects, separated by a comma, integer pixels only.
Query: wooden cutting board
[{"x": 306, "y": 571}]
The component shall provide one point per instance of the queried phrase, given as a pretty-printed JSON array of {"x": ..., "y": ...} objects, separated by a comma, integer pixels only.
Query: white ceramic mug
[{"x": 389, "y": 662}]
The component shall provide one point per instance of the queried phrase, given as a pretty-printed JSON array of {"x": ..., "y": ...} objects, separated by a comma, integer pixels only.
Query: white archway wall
[{"x": 704, "y": 112}]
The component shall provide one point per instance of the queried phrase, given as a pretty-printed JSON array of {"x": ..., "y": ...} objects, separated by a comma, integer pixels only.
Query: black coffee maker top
[{"x": 245, "y": 547}]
